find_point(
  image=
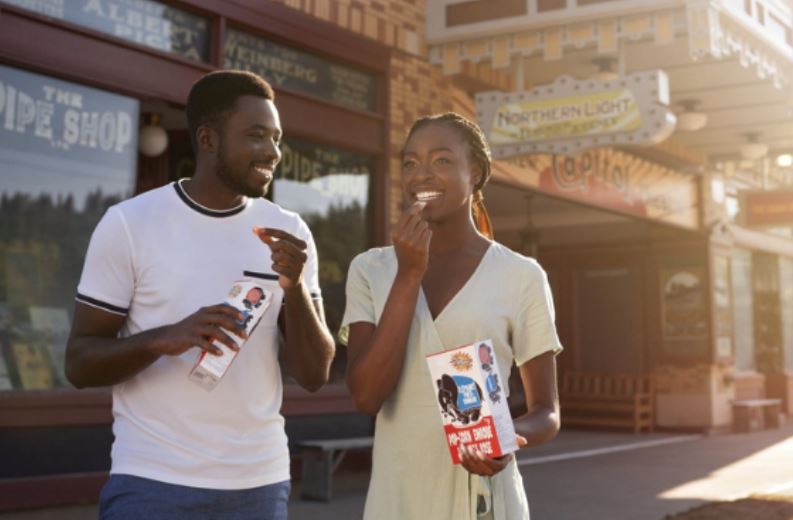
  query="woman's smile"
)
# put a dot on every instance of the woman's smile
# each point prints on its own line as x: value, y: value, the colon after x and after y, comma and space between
x: 428, y: 196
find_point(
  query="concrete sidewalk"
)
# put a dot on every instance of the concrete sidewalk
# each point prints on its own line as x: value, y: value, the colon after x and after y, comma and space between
x: 595, y: 475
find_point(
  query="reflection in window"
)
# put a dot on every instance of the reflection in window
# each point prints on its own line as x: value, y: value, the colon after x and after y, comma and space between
x: 144, y: 22
x: 67, y: 152
x: 743, y: 313
x: 329, y: 188
x: 786, y: 298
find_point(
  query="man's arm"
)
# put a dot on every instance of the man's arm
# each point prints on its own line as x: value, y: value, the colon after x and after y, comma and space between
x: 96, y: 356
x: 309, y: 347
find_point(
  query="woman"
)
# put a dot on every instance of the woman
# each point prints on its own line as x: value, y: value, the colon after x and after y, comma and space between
x: 444, y: 284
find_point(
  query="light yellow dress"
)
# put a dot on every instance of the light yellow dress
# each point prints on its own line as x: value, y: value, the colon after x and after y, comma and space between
x: 507, y: 300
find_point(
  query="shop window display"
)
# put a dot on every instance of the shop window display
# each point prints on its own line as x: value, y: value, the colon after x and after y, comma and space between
x: 743, y: 309
x: 67, y: 152
x: 330, y: 189
x: 786, y: 297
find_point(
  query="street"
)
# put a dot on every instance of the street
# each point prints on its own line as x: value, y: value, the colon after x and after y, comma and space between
x: 595, y: 476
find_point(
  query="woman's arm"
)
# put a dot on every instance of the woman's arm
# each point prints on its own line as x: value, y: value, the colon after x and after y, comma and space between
x: 376, y: 353
x: 541, y: 421
x: 538, y: 425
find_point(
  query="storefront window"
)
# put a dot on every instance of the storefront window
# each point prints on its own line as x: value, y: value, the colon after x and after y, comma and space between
x: 329, y: 188
x: 722, y: 307
x: 67, y: 152
x: 786, y: 295
x: 743, y: 309
x: 299, y: 71
x: 145, y: 22
x: 768, y: 346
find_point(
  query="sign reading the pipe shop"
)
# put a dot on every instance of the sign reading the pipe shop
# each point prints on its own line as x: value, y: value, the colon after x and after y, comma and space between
x: 51, y: 124
x: 571, y: 115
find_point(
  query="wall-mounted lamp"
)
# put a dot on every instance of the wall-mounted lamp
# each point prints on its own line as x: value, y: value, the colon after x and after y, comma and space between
x: 690, y: 120
x: 752, y: 149
x: 152, y: 138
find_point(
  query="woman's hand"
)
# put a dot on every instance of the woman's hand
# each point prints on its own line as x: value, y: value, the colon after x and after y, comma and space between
x: 477, y: 463
x: 411, y: 238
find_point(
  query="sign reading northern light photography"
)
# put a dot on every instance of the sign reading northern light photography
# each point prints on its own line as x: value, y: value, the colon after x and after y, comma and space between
x: 571, y: 115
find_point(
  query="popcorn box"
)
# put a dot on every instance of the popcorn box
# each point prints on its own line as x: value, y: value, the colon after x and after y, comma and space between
x: 471, y: 400
x: 251, y: 299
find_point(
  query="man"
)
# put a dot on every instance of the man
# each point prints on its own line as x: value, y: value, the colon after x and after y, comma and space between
x: 181, y: 451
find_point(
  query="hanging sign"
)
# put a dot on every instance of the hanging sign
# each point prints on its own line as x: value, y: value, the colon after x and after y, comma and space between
x: 768, y: 208
x: 571, y: 115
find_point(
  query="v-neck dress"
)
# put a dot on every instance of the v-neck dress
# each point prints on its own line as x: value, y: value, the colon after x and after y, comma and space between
x: 508, y: 300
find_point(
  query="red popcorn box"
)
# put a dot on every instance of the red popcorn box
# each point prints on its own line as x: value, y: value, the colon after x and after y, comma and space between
x: 471, y: 400
x: 251, y: 299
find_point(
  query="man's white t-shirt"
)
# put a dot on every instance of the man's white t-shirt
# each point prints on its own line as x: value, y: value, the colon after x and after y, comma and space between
x: 156, y: 259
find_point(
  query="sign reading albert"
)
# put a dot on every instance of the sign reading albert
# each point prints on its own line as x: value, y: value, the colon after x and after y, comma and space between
x: 571, y: 115
x: 146, y: 22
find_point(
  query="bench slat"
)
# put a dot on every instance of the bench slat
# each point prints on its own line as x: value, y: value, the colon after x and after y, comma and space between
x: 628, y: 398
x: 338, y: 444
x: 757, y: 402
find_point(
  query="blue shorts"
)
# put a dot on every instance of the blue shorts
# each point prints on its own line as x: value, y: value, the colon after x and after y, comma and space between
x: 126, y: 497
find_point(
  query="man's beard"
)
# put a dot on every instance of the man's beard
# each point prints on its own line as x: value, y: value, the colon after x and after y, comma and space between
x: 234, y: 182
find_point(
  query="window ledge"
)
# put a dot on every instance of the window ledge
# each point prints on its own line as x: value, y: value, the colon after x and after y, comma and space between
x: 64, y: 407
x: 69, y: 407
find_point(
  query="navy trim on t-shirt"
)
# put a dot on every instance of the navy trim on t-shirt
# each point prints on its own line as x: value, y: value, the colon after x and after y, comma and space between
x: 102, y: 305
x: 202, y: 209
x: 268, y: 276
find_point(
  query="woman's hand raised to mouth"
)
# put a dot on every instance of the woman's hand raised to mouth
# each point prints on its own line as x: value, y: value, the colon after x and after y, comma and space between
x: 411, y: 238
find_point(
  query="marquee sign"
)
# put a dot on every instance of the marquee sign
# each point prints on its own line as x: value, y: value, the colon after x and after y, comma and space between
x: 571, y: 115
x: 609, y: 179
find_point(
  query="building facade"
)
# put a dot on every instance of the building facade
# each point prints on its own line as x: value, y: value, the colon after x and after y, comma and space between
x: 667, y: 247
x: 663, y: 254
x: 91, y: 91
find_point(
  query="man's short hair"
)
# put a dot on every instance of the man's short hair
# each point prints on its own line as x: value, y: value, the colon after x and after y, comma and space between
x: 212, y: 96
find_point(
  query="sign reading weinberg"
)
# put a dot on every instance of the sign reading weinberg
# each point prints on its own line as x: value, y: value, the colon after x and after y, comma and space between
x: 571, y: 115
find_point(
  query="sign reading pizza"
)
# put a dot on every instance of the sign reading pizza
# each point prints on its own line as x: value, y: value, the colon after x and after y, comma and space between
x: 571, y: 115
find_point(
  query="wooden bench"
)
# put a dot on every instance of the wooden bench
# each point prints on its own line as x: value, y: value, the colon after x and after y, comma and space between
x: 750, y: 415
x: 608, y: 400
x: 320, y: 460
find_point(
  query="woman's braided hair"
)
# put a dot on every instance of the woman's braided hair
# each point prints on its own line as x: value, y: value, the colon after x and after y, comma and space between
x: 478, y: 149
